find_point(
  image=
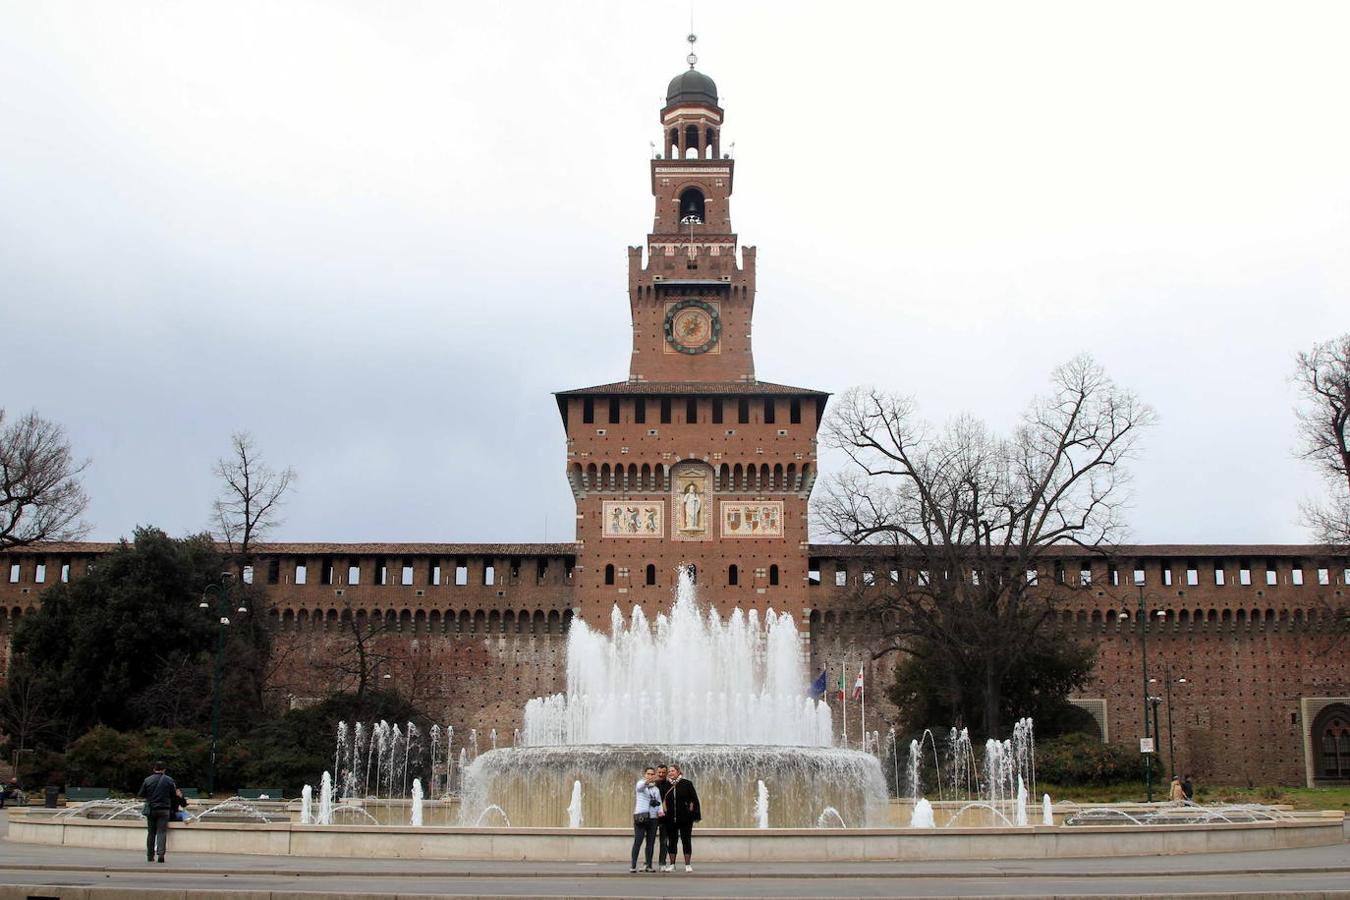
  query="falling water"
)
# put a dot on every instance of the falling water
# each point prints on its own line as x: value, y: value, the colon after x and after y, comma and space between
x: 306, y: 804
x: 473, y: 742
x: 741, y: 682
x: 1047, y: 811
x: 435, y: 755
x: 326, y: 799
x: 416, y: 813
x: 762, y: 806
x: 912, y: 772
x: 493, y: 737
x: 412, y: 753
x: 1021, y: 818
x: 922, y: 816
x: 574, y: 808
x: 394, y: 756
x: 361, y: 738
x: 340, y: 750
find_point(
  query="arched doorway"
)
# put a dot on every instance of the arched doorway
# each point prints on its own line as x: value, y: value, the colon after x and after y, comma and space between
x: 1331, y: 744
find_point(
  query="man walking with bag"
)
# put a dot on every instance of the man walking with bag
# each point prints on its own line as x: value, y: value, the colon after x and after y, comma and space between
x: 157, y: 791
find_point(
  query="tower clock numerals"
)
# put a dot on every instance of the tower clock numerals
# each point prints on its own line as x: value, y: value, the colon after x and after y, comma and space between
x: 692, y: 326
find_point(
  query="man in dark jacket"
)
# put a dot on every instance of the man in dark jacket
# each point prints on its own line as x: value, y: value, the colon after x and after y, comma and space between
x: 664, y: 834
x: 157, y: 791
x: 682, y: 811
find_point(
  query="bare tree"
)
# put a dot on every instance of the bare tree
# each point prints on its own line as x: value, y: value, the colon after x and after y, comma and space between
x: 250, y: 500
x: 40, y: 494
x: 360, y: 655
x: 1323, y: 377
x: 969, y: 516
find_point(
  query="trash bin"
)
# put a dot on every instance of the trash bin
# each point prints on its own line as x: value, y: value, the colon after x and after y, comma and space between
x: 50, y: 795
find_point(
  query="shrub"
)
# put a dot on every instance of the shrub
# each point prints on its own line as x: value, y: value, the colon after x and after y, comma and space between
x: 103, y: 757
x: 1077, y: 759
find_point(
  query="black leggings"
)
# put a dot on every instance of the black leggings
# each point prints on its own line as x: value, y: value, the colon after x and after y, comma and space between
x: 643, y: 831
x: 685, y: 832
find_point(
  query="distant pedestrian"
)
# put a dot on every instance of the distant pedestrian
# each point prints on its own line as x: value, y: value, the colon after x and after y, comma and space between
x: 682, y: 809
x: 646, y: 812
x: 1177, y: 794
x: 1189, y: 787
x: 157, y: 791
x: 9, y: 790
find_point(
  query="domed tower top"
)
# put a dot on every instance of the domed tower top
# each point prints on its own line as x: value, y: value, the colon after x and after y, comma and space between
x: 691, y: 86
x: 691, y: 116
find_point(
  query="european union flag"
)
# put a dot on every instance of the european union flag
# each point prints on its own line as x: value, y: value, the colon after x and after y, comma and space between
x: 818, y: 686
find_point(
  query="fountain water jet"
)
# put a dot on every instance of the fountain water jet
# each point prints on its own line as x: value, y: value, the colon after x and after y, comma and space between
x: 574, y: 817
x: 739, y: 713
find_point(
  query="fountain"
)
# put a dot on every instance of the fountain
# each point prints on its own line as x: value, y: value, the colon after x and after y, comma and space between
x: 325, y: 799
x: 1047, y: 811
x: 922, y: 817
x: 415, y: 814
x: 726, y: 698
x: 762, y: 806
x: 574, y: 817
x: 306, y: 805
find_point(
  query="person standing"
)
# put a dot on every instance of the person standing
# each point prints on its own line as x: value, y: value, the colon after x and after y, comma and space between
x: 663, y: 834
x: 1177, y: 794
x: 646, y: 812
x: 682, y: 810
x: 1188, y: 787
x: 157, y: 791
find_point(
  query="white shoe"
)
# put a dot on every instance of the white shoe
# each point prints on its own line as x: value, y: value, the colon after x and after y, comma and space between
x: 668, y: 868
x: 688, y: 868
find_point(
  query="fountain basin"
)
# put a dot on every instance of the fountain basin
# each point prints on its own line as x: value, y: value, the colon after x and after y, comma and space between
x: 611, y: 845
x: 531, y: 786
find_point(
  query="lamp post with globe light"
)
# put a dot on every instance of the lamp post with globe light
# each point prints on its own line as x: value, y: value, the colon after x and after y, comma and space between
x: 1168, y: 681
x: 219, y: 608
x: 1143, y: 662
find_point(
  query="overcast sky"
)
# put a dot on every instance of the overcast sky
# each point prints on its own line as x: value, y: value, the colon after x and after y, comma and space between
x: 378, y: 235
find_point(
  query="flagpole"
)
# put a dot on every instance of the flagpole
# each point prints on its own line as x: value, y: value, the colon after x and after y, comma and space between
x: 844, y: 694
x: 862, y: 697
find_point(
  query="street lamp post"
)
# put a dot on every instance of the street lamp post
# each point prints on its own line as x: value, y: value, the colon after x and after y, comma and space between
x: 1143, y: 662
x: 221, y: 612
x: 1168, y: 681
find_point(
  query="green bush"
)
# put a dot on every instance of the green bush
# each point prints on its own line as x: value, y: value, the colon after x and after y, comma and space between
x: 1077, y: 759
x: 103, y: 757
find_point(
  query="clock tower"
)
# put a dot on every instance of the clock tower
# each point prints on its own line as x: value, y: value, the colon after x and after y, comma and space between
x: 691, y: 461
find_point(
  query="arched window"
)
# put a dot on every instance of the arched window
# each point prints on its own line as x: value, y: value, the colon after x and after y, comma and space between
x: 691, y: 141
x: 651, y: 573
x: 733, y: 575
x: 691, y: 204
x: 773, y: 574
x: 1333, y: 732
x: 609, y: 573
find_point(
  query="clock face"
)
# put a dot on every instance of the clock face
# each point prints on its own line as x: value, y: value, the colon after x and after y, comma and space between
x: 692, y: 326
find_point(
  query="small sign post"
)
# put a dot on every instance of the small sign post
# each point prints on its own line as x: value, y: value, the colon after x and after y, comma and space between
x: 1146, y: 745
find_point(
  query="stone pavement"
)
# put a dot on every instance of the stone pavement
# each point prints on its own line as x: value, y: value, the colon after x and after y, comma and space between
x: 81, y: 874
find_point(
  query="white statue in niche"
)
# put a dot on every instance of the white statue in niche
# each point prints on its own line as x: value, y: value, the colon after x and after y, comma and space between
x: 693, y: 507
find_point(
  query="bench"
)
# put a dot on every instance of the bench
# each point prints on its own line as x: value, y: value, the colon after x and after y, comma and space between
x: 272, y: 793
x: 82, y: 794
x: 191, y: 793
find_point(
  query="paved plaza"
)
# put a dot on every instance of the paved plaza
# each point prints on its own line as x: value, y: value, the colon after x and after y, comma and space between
x: 32, y: 871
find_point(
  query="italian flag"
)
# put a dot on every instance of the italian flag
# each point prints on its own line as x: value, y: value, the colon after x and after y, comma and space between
x: 858, y: 685
x: 841, y: 685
